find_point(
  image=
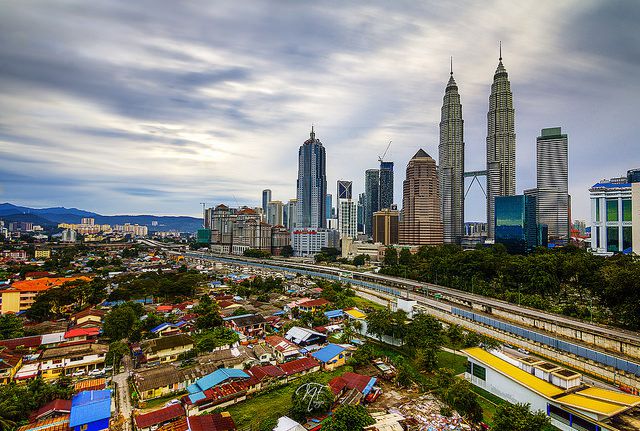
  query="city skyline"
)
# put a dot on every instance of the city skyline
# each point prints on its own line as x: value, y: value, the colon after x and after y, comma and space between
x: 188, y: 106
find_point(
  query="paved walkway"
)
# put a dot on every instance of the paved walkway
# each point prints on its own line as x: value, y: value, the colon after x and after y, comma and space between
x: 124, y: 400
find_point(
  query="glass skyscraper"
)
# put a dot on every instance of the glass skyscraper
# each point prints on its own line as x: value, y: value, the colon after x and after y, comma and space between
x: 385, y: 195
x: 451, y: 164
x: 371, y: 198
x: 515, y: 223
x: 312, y: 184
x: 501, y: 143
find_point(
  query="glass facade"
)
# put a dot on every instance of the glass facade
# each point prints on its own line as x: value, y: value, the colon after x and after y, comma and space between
x: 515, y: 225
x: 612, y: 239
x: 597, y: 209
x: 626, y: 210
x: 627, y: 239
x: 612, y: 209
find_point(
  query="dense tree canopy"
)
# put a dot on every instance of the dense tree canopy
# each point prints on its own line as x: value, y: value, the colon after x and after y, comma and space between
x: 120, y: 322
x: 518, y: 417
x: 10, y: 326
x: 567, y: 280
x: 72, y: 296
x: 349, y: 418
x: 309, y: 398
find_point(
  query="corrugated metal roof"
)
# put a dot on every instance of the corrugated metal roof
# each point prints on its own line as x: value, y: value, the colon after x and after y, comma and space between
x: 610, y: 396
x: 328, y: 352
x: 90, y: 406
x: 591, y: 405
x: 513, y: 372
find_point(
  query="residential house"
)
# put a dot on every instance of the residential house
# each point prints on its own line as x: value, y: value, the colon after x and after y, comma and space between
x: 9, y: 366
x: 223, y: 387
x: 283, y: 350
x: 90, y: 385
x: 166, y: 349
x: 263, y: 354
x: 166, y: 329
x: 267, y: 374
x: 211, y: 422
x: 334, y: 316
x: 88, y: 317
x: 66, y: 360
x: 81, y: 334
x: 299, y: 367
x: 90, y: 411
x: 305, y: 336
x: 247, y: 324
x: 332, y: 356
x: 59, y: 423
x: 52, y: 409
x: 312, y: 305
x: 157, y: 418
x: 352, y: 388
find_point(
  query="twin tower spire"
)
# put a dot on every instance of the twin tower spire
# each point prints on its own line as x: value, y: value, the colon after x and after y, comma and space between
x: 500, y: 152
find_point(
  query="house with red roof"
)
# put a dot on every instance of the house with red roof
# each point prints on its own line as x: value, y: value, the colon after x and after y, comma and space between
x: 81, y: 334
x: 211, y: 422
x: 283, y: 350
x: 52, y: 409
x: 158, y: 418
x: 299, y: 367
x: 312, y: 305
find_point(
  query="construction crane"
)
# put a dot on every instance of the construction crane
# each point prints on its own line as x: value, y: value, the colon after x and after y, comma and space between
x: 381, y: 158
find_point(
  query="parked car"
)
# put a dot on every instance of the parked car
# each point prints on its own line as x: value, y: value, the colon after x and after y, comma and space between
x: 78, y: 373
x: 97, y: 372
x: 172, y: 402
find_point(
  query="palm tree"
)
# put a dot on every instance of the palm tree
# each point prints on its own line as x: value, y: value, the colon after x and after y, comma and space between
x: 7, y: 410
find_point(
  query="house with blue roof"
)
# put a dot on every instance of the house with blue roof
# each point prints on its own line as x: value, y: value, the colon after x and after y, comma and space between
x: 332, y: 356
x: 90, y: 411
x: 334, y: 315
x: 167, y: 328
x: 219, y: 376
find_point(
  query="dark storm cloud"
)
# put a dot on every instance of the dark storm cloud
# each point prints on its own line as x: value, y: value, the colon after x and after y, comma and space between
x: 117, y: 105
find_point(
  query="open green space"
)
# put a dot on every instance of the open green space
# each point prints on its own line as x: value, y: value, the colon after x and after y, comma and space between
x: 275, y: 402
x: 363, y: 304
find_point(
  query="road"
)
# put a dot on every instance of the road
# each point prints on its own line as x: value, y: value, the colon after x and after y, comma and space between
x: 122, y: 392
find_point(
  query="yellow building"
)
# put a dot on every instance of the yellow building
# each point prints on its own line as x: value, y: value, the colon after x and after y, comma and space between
x: 9, y: 366
x: 43, y: 254
x: 332, y: 356
x: 21, y: 294
x: 166, y: 349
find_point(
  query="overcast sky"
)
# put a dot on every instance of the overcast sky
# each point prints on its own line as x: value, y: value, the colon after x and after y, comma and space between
x: 156, y: 106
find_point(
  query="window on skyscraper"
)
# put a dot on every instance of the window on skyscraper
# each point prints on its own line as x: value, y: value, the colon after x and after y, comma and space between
x: 612, y: 209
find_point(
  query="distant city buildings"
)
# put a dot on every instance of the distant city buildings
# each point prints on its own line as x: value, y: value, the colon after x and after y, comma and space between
x: 291, y: 219
x: 275, y: 213
x: 307, y: 242
x: 347, y: 213
x: 371, y: 197
x: 501, y: 143
x: 312, y: 184
x: 385, y: 195
x: 266, y: 198
x: 451, y: 164
x: 615, y: 215
x: 421, y: 222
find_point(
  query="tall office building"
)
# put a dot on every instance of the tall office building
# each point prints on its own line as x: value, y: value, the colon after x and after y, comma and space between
x: 552, y: 202
x: 266, y: 198
x: 345, y: 189
x: 451, y: 163
x: 515, y: 225
x: 361, y: 206
x: 501, y: 143
x: 291, y: 221
x: 421, y: 222
x: 275, y: 211
x: 371, y: 197
x: 385, y: 195
x: 312, y: 184
x: 385, y: 226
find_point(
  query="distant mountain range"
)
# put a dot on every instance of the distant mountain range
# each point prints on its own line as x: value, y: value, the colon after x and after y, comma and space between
x: 50, y: 217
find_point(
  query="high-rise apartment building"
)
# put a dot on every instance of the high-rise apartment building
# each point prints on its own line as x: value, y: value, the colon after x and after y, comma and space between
x: 451, y: 163
x: 312, y: 183
x: 347, y: 209
x: 501, y: 143
x: 361, y: 206
x: 275, y: 211
x: 421, y: 222
x: 371, y: 197
x: 385, y: 195
x: 329, y: 206
x: 266, y: 198
x: 552, y: 200
x: 385, y: 226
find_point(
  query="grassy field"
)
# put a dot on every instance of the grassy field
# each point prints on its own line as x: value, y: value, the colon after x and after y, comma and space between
x: 252, y: 412
x: 159, y: 402
x: 363, y: 303
x: 450, y: 360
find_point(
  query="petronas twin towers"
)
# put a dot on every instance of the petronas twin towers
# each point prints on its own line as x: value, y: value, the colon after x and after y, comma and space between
x: 501, y: 153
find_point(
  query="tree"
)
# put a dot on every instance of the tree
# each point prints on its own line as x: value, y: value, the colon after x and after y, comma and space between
x: 309, y: 398
x: 208, y: 340
x: 10, y: 327
x: 360, y: 259
x: 390, y: 257
x: 461, y: 397
x: 455, y: 335
x: 349, y: 418
x: 426, y: 359
x: 119, y: 322
x: 9, y: 410
x: 518, y: 417
x: 117, y: 350
x: 208, y: 314
x: 405, y: 258
x: 259, y: 254
x: 424, y: 332
x: 287, y: 251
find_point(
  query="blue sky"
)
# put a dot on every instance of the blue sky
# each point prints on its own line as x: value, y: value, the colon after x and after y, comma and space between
x: 156, y: 106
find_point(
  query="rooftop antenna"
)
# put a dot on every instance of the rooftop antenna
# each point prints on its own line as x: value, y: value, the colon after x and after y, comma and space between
x: 381, y: 158
x: 452, y: 65
x: 500, y: 51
